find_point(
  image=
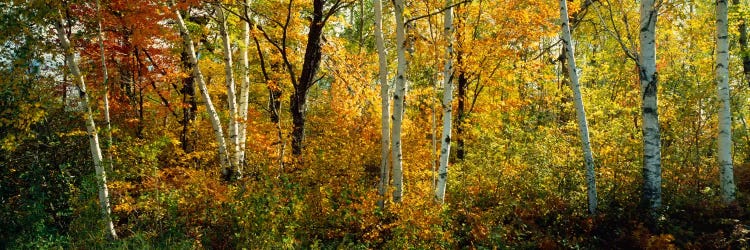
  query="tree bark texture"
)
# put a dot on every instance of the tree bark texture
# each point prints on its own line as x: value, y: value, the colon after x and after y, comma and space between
x: 650, y: 114
x: 244, y: 88
x: 445, y: 139
x: 212, y: 114
x: 588, y: 157
x: 384, y: 103
x: 298, y: 99
x: 234, y: 143
x: 398, y: 102
x: 96, y: 152
x: 726, y: 168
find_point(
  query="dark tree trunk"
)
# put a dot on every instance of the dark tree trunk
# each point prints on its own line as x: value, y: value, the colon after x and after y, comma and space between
x: 140, y: 127
x: 298, y: 106
x: 745, y: 54
x: 274, y: 92
x: 189, y: 104
x: 463, y: 85
x: 274, y: 103
x: 310, y: 67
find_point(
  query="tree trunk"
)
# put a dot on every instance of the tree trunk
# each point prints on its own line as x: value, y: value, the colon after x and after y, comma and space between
x: 588, y: 157
x: 463, y: 85
x: 445, y: 140
x: 93, y: 136
x: 274, y: 104
x: 398, y: 101
x: 274, y: 92
x: 105, y: 84
x: 298, y: 108
x: 310, y: 67
x: 234, y: 143
x: 190, y: 105
x: 728, y: 189
x: 384, y: 103
x: 650, y: 114
x: 744, y: 53
x: 244, y: 88
x: 212, y: 114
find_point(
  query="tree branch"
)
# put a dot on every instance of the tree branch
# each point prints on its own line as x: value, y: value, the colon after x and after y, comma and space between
x: 436, y: 12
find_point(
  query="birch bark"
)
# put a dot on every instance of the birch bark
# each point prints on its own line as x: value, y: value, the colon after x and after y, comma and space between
x: 244, y: 88
x: 726, y: 169
x: 398, y: 102
x: 445, y: 140
x: 588, y: 157
x: 105, y: 84
x: 234, y: 143
x: 198, y: 77
x: 384, y: 103
x: 650, y: 114
x: 96, y: 152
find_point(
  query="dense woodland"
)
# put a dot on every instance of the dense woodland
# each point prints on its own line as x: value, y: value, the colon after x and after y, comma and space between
x: 359, y: 124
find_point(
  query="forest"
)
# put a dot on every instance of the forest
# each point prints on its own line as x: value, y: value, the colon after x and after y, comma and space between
x: 371, y: 124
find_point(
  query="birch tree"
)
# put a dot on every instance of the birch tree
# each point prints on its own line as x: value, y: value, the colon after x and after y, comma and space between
x: 96, y: 152
x: 726, y: 170
x: 445, y: 140
x: 398, y: 101
x: 384, y: 103
x: 198, y: 77
x: 588, y: 157
x: 650, y: 113
x: 245, y: 87
x: 105, y: 83
x: 234, y: 142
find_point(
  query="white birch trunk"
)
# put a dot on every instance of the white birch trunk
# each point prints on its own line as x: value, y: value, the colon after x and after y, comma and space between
x: 649, y: 80
x: 198, y: 77
x: 231, y: 93
x: 728, y: 188
x: 105, y: 84
x: 445, y: 139
x: 398, y: 102
x: 583, y: 126
x: 244, y: 89
x: 96, y: 152
x: 384, y: 103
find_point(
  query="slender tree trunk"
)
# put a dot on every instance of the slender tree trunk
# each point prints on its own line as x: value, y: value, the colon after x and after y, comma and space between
x: 234, y: 142
x: 445, y: 140
x: 384, y: 103
x: 274, y: 92
x: 96, y: 151
x: 649, y: 79
x: 105, y: 84
x: 398, y: 101
x: 298, y: 108
x: 274, y: 104
x: 728, y: 188
x: 190, y: 105
x: 744, y: 53
x: 463, y: 85
x: 141, y: 110
x: 212, y: 114
x: 588, y: 157
x: 307, y: 77
x: 244, y: 88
